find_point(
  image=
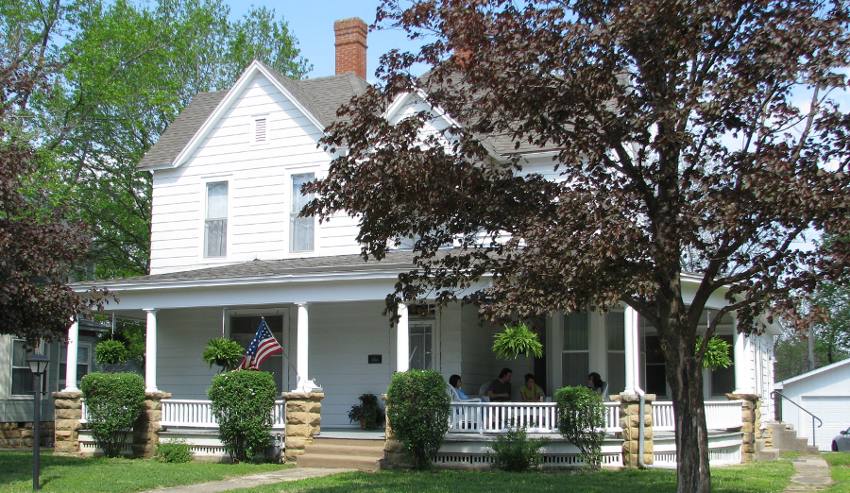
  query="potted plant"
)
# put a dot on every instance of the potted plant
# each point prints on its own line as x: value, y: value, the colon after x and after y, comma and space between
x: 368, y: 413
x: 224, y: 352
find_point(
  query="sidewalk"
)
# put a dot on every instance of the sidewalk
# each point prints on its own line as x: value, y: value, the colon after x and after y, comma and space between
x: 290, y: 474
x: 811, y: 473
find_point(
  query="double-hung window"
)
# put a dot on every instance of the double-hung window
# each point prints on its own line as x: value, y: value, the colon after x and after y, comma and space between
x: 22, y: 378
x: 575, y: 356
x: 83, y: 363
x: 616, y: 343
x: 301, y: 229
x: 215, y: 223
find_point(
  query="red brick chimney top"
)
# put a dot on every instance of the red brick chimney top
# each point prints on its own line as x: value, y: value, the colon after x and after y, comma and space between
x: 351, y: 46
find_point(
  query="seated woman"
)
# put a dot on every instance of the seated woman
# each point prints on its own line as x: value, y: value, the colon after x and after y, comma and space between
x: 596, y: 384
x: 456, y: 393
x: 531, y: 392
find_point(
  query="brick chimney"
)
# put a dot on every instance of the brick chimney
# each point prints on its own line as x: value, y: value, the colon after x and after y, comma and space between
x: 351, y: 46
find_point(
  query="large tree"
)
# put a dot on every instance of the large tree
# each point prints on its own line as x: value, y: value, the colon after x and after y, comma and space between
x: 687, y: 136
x: 119, y: 73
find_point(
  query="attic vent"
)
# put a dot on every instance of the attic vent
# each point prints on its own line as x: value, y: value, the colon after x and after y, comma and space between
x: 260, y: 130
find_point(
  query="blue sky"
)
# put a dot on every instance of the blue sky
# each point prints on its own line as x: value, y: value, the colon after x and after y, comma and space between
x: 312, y: 23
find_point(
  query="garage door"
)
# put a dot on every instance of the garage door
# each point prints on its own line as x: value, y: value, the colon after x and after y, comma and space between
x: 835, y: 413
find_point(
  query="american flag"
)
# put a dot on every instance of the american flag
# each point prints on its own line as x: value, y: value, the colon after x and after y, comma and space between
x: 262, y: 346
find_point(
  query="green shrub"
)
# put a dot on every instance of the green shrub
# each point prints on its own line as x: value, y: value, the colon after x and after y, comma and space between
x: 109, y: 352
x: 176, y: 452
x: 716, y: 354
x: 516, y: 340
x: 581, y: 421
x: 514, y: 451
x: 114, y: 402
x: 223, y: 352
x: 242, y: 403
x: 418, y: 410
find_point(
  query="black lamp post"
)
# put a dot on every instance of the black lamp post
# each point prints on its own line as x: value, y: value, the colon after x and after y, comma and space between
x: 38, y: 365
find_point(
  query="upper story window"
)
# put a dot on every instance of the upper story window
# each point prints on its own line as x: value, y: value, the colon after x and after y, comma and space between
x: 259, y: 129
x: 301, y: 229
x: 22, y: 378
x: 215, y: 223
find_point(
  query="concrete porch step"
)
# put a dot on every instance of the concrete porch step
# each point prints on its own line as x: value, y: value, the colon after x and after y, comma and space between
x: 350, y: 453
x: 334, y: 461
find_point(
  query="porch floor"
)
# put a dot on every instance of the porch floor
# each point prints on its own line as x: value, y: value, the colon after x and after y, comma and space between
x: 351, y: 433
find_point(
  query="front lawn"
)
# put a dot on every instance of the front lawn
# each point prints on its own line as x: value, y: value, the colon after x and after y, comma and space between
x: 839, y: 468
x: 72, y: 474
x: 764, y: 477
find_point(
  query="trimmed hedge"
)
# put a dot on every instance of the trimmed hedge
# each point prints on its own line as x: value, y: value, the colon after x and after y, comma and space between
x: 581, y: 420
x: 418, y: 410
x: 242, y: 403
x: 114, y: 402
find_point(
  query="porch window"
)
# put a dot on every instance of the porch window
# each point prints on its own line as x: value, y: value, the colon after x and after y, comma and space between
x: 614, y: 328
x: 243, y: 329
x: 301, y: 229
x: 575, y: 356
x: 83, y: 362
x: 421, y: 337
x: 22, y: 379
x: 215, y: 224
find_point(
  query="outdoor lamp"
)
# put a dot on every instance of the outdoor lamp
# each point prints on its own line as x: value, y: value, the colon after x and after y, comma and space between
x: 38, y: 365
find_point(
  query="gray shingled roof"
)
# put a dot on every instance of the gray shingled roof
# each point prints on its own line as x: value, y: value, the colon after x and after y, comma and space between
x: 265, y: 269
x: 182, y: 129
x: 321, y: 97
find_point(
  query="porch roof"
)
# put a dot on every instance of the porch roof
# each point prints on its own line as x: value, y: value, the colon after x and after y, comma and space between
x: 264, y: 270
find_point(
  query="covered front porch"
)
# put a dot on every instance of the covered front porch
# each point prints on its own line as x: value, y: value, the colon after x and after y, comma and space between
x: 339, y: 342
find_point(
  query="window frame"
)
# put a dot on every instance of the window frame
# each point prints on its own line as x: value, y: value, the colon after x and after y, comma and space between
x: 585, y: 351
x: 205, y: 183
x: 44, y: 378
x: 60, y: 378
x: 293, y: 214
x: 430, y: 323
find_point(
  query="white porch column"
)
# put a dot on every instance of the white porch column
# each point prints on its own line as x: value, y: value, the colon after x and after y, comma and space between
x: 150, y: 350
x: 743, y: 368
x: 303, y: 346
x: 402, y: 351
x: 71, y: 358
x: 632, y: 350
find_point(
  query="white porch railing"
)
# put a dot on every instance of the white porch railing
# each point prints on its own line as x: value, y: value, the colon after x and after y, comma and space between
x: 535, y: 417
x: 719, y: 415
x: 197, y: 413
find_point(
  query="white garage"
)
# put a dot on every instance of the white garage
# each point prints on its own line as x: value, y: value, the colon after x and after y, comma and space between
x: 825, y: 393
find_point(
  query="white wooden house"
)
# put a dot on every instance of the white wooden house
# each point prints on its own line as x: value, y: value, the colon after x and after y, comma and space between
x: 227, y: 247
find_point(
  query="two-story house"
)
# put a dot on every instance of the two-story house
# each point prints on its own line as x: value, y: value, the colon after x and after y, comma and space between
x: 227, y: 247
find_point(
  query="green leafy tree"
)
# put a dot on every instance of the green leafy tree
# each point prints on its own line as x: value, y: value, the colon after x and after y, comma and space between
x: 678, y: 145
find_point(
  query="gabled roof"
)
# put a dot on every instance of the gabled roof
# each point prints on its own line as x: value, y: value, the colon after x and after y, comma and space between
x: 817, y: 371
x: 319, y: 98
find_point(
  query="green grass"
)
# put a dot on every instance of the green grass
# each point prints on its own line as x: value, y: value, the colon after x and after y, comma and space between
x: 757, y: 478
x: 72, y: 474
x: 839, y: 468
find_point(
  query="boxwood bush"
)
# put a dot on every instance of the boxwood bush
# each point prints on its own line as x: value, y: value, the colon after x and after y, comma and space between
x: 114, y: 402
x: 418, y: 410
x: 581, y: 421
x: 176, y: 452
x: 514, y: 451
x: 242, y: 403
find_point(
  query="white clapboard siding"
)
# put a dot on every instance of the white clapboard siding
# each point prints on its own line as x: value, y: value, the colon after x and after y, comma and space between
x: 259, y: 189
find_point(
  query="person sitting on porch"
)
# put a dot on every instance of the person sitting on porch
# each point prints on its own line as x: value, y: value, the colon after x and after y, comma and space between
x: 531, y: 392
x: 596, y: 384
x: 457, y: 394
x: 500, y: 388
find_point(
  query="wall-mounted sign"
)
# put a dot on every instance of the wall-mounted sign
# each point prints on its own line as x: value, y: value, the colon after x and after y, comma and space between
x: 375, y: 359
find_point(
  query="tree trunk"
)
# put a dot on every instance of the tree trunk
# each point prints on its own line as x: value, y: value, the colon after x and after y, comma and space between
x: 684, y: 375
